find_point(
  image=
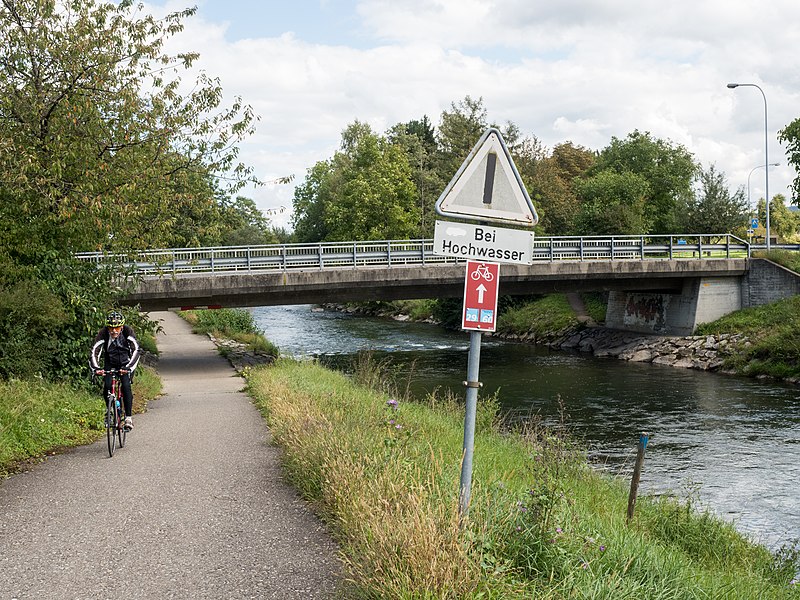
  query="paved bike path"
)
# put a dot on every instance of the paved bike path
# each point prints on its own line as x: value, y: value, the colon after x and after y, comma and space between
x: 194, y: 505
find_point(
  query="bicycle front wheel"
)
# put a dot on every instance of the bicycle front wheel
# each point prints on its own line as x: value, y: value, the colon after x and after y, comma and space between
x: 111, y: 425
x: 121, y: 430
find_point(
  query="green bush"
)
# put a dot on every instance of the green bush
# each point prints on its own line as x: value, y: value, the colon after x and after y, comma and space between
x: 227, y: 321
x: 233, y: 323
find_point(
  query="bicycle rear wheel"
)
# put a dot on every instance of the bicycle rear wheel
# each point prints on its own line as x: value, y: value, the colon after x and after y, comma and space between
x: 111, y: 425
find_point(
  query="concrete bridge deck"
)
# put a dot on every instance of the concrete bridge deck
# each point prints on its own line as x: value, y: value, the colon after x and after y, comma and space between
x: 343, y: 284
x: 661, y: 284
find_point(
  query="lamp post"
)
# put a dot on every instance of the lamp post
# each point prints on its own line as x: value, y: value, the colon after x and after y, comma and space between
x: 748, y: 180
x: 766, y: 149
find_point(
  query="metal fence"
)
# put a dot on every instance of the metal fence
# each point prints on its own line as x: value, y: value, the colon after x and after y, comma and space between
x: 391, y: 253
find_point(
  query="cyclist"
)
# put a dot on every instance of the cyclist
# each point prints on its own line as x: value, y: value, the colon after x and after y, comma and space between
x: 117, y: 346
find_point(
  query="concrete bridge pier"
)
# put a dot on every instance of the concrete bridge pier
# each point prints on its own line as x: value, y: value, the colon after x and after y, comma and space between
x: 702, y: 300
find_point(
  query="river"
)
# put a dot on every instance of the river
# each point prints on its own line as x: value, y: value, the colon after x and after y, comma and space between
x: 732, y: 442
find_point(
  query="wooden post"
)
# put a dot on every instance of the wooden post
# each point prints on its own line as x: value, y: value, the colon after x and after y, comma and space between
x: 637, y: 472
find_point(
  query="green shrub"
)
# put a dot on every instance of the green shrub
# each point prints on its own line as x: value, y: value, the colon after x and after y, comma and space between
x: 227, y: 321
x: 233, y: 323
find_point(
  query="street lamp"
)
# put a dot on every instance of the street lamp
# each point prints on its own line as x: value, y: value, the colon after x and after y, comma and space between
x: 766, y: 148
x: 748, y: 181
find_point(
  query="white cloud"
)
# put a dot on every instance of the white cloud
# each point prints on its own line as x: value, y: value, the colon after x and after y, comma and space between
x: 570, y: 70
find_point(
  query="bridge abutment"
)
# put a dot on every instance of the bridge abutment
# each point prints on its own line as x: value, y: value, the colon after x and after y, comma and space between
x: 768, y: 282
x: 702, y: 300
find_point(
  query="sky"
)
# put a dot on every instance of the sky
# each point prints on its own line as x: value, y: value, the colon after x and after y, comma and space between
x: 568, y: 70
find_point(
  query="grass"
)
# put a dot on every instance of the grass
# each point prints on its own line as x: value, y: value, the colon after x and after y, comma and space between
x: 773, y: 331
x: 596, y: 306
x: 543, y: 316
x: 236, y: 324
x: 785, y: 258
x: 383, y: 472
x: 38, y: 418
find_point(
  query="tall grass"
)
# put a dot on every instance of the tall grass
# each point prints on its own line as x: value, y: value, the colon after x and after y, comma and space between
x: 38, y: 418
x: 384, y: 473
x: 542, y: 316
x: 786, y: 258
x: 233, y: 323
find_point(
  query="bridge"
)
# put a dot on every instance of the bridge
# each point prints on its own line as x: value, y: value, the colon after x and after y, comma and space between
x: 663, y: 284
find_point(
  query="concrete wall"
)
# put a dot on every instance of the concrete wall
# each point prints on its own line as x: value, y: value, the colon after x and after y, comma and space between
x: 718, y: 296
x: 701, y: 300
x: 767, y: 282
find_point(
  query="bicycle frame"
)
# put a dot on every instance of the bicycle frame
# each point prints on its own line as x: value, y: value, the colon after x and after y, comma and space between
x: 115, y: 426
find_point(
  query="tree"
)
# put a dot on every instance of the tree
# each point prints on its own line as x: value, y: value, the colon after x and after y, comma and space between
x: 612, y: 203
x: 783, y: 223
x: 244, y: 224
x: 311, y: 199
x: 549, y: 180
x: 713, y: 209
x: 418, y: 137
x: 364, y: 192
x: 99, y: 149
x: 668, y: 168
x: 790, y: 135
x: 459, y: 130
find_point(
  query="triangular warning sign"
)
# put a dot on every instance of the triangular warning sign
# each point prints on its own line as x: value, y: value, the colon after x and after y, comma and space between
x: 487, y: 187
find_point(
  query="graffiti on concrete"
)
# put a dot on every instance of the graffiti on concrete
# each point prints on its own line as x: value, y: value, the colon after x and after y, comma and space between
x: 646, y: 310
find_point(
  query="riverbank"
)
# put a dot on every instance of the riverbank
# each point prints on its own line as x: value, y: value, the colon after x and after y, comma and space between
x: 396, y: 520
x: 714, y: 352
x: 542, y: 524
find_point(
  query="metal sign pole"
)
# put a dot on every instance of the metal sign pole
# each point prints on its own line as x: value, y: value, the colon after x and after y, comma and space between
x: 472, y: 384
x: 488, y: 168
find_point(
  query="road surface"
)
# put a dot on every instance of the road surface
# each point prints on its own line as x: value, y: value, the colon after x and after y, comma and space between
x: 194, y: 506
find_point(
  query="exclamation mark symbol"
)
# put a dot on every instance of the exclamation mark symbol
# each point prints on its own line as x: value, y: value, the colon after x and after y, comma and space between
x: 491, y: 164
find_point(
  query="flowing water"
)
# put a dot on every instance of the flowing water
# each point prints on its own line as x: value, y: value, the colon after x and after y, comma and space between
x: 732, y: 442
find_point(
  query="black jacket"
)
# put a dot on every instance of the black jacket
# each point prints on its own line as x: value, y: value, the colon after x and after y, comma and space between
x: 122, y: 353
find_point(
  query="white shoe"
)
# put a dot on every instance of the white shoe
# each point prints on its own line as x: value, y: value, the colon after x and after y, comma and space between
x: 128, y: 423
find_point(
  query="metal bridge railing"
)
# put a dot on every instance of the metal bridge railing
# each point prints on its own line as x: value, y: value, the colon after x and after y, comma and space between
x: 392, y: 253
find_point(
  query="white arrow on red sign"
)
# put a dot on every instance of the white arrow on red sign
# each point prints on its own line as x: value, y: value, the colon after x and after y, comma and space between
x: 481, y: 292
x: 480, y: 296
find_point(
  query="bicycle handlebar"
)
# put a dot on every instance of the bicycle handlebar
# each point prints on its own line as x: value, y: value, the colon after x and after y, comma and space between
x: 114, y: 371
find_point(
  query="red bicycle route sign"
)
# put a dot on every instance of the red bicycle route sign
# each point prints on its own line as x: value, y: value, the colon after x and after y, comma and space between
x: 480, y: 296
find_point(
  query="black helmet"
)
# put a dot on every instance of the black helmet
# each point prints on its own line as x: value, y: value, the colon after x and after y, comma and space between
x: 115, y: 319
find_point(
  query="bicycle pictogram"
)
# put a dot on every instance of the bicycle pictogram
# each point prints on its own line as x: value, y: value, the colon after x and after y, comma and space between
x: 481, y: 271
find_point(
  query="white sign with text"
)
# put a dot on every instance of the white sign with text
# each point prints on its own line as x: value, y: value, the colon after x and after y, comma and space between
x: 481, y: 242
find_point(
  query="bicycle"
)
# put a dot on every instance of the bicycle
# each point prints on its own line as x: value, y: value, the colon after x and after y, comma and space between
x: 481, y: 271
x: 115, y: 415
